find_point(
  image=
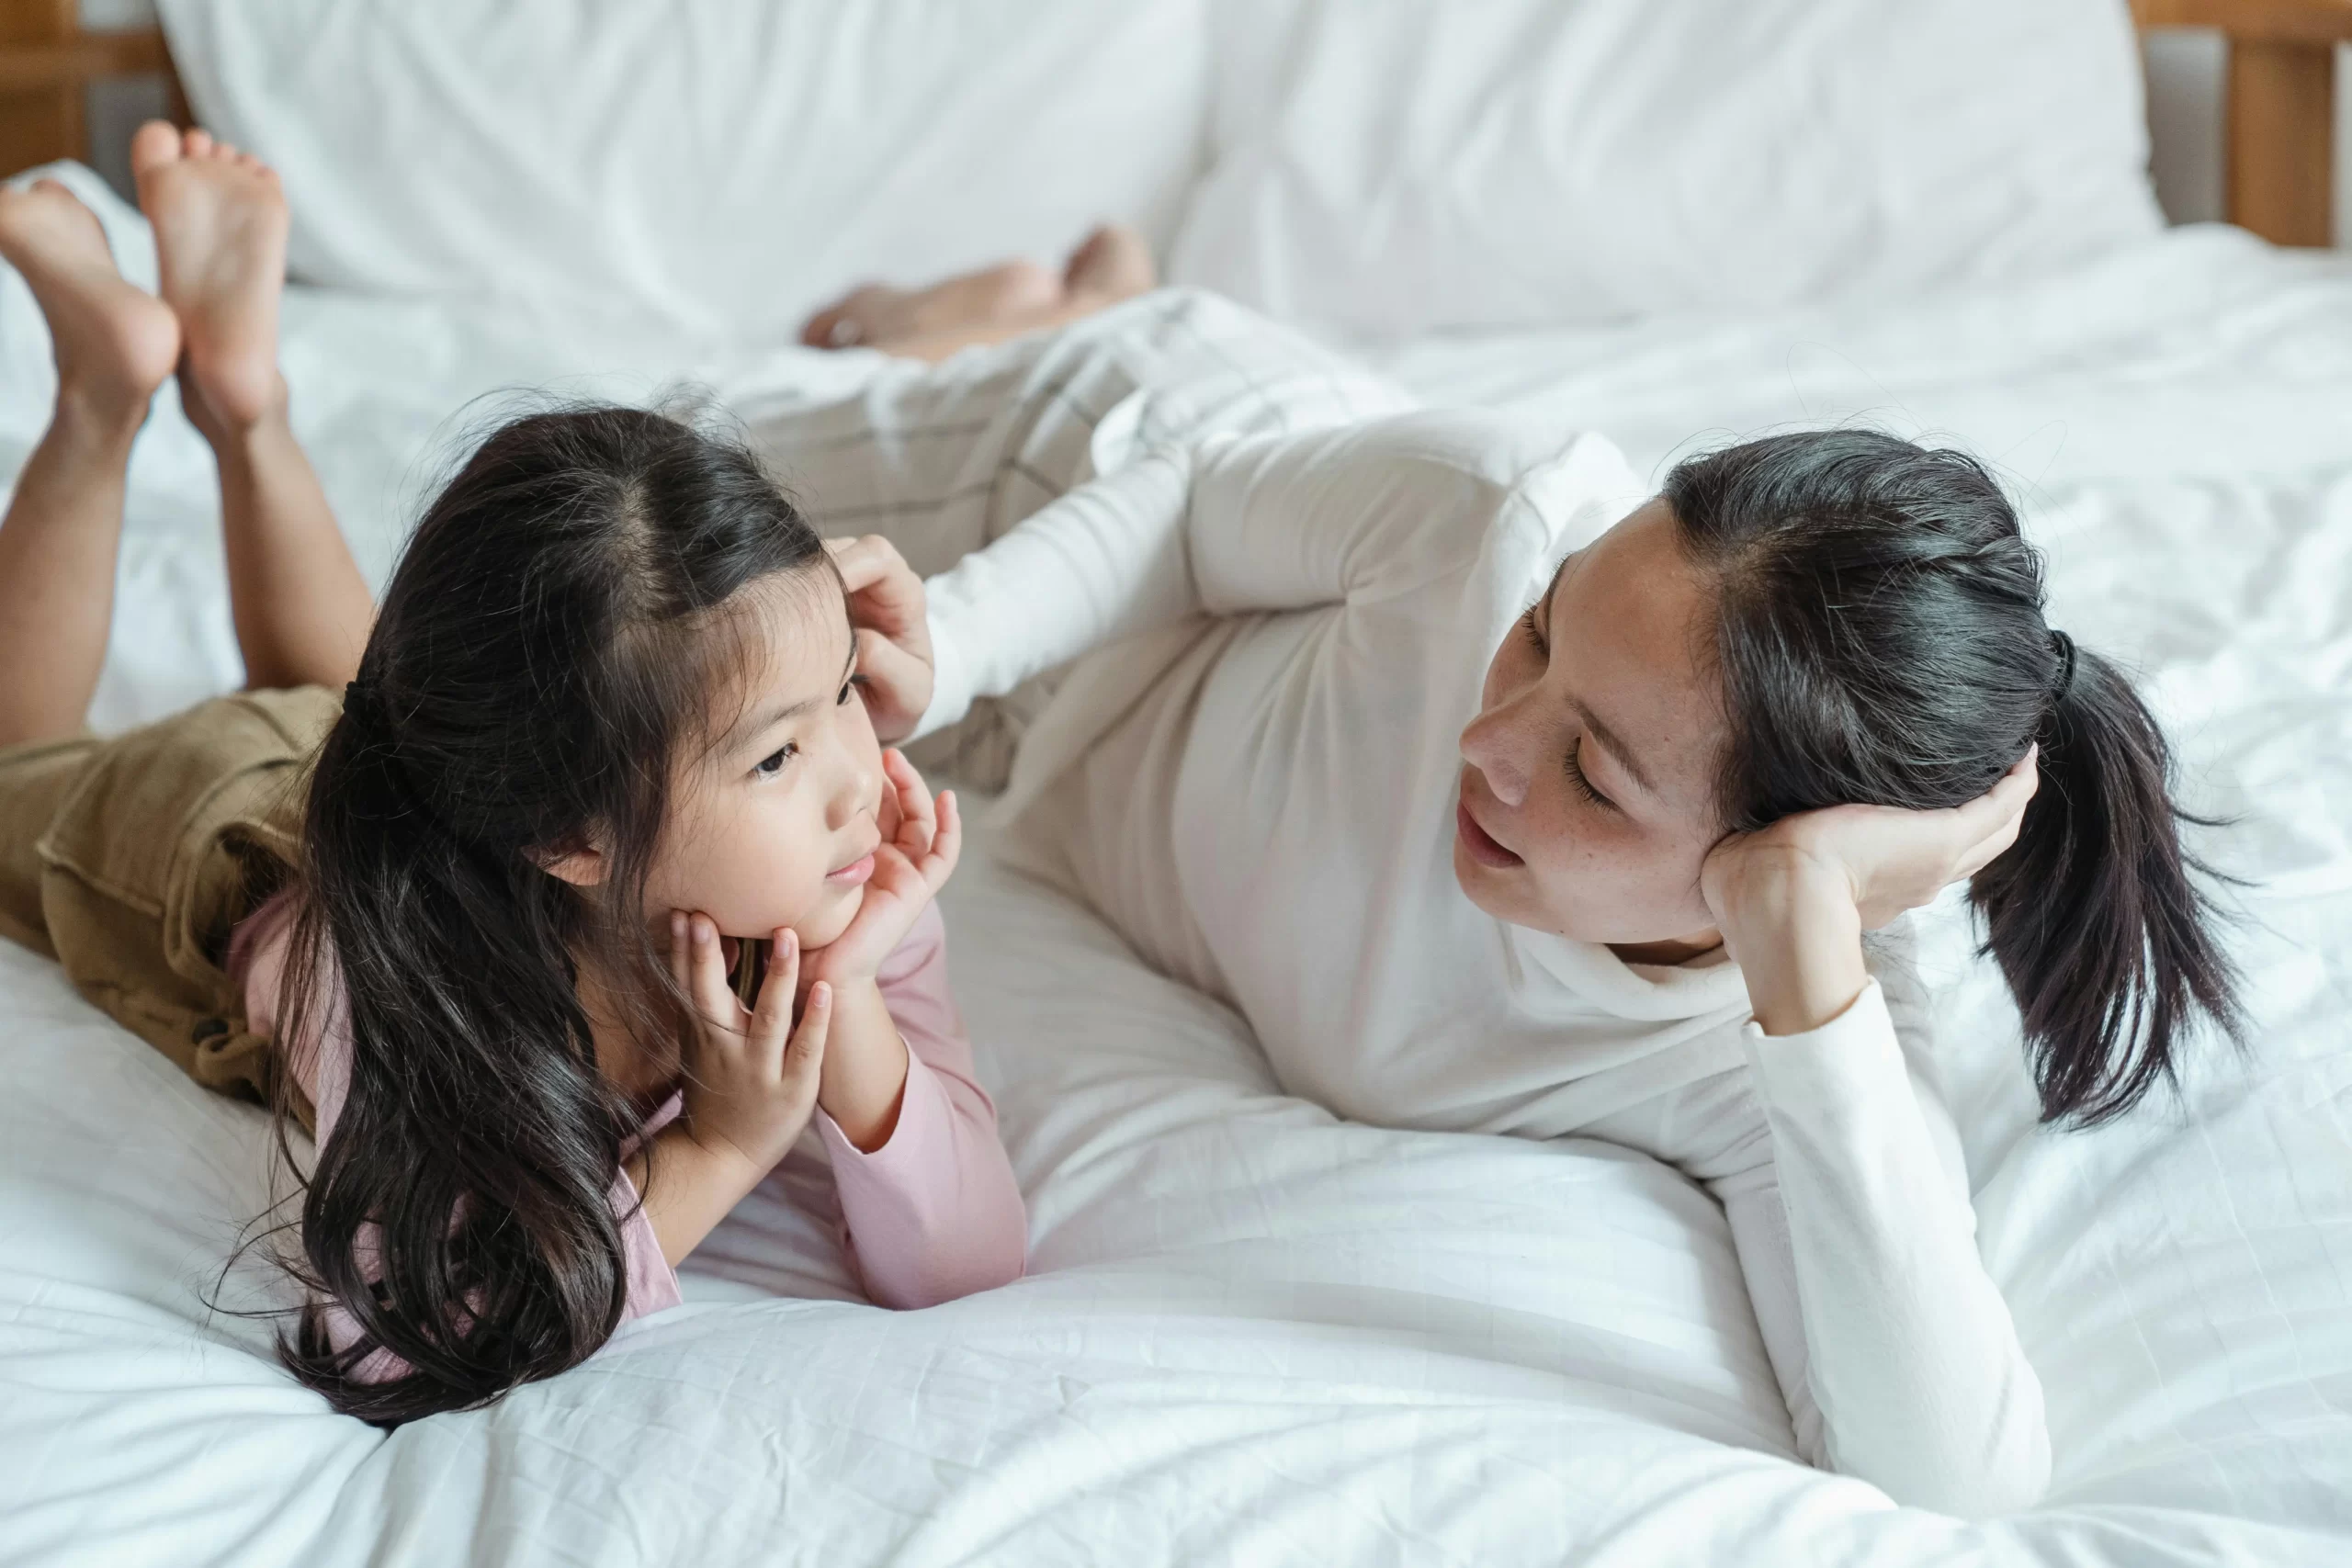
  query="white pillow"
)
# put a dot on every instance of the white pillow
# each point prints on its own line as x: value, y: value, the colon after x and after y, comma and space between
x: 1389, y: 167
x: 723, y: 164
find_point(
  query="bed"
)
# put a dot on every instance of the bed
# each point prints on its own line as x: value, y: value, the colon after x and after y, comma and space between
x: 1252, y: 1332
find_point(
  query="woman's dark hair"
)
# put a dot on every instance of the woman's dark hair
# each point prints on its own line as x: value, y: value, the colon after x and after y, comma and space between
x: 553, y: 637
x: 1880, y: 633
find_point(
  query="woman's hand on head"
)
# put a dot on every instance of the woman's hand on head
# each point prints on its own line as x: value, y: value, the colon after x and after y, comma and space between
x: 1792, y: 900
x: 1887, y: 860
x: 887, y: 609
x: 751, y: 1074
x: 924, y: 839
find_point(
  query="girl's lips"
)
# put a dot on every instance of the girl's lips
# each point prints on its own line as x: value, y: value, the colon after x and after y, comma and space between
x: 1482, y: 847
x: 852, y: 874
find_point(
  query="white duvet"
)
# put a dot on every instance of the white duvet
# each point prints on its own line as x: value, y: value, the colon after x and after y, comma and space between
x: 1253, y: 1332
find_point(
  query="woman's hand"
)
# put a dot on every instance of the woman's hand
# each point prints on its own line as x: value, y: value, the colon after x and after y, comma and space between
x: 750, y: 1079
x: 886, y: 612
x: 1792, y: 900
x: 923, y: 841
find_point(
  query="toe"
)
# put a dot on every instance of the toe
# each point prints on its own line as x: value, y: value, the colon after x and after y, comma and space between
x: 157, y: 141
x: 198, y: 144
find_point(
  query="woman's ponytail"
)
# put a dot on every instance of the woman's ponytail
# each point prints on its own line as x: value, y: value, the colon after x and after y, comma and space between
x: 1881, y: 636
x: 2104, y: 935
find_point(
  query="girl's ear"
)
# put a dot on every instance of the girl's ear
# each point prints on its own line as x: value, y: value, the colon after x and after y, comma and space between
x: 582, y: 865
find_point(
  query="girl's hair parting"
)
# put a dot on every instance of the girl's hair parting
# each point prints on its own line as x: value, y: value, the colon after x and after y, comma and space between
x: 1881, y: 640
x: 549, y: 647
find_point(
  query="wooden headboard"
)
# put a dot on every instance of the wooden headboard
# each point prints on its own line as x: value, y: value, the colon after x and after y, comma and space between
x: 2278, y: 170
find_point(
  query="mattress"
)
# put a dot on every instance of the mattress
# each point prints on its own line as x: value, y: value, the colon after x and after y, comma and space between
x: 1254, y: 1332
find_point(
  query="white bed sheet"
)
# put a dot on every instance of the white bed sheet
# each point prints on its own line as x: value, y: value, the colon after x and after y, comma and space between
x: 1254, y: 1334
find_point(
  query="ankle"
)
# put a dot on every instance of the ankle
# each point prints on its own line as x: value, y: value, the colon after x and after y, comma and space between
x: 99, y: 411
x: 235, y: 419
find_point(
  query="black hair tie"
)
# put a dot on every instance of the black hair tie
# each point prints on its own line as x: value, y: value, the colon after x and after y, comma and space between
x: 2064, y: 646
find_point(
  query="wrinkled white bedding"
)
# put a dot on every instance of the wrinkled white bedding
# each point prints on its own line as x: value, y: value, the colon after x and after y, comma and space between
x: 1253, y: 1332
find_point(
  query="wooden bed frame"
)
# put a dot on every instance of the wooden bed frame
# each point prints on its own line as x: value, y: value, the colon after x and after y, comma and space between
x: 2279, y: 170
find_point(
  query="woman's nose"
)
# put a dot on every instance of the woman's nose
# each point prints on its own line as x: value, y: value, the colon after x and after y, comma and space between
x: 1492, y: 744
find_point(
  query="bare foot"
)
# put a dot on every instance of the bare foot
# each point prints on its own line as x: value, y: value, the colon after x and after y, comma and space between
x: 1110, y: 265
x: 114, y: 343
x: 220, y: 222
x: 877, y: 317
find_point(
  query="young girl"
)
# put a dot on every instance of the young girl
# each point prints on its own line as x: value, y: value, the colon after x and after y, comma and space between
x: 1498, y: 799
x: 464, y: 899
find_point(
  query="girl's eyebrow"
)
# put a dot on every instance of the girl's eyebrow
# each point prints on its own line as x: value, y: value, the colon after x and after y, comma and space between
x: 745, y: 734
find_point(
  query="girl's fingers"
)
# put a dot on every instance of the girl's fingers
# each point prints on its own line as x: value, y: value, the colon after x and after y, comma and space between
x: 772, y: 1018
x: 713, y: 998
x: 680, y: 954
x: 918, y: 821
x: 948, y: 845
x: 806, y: 1055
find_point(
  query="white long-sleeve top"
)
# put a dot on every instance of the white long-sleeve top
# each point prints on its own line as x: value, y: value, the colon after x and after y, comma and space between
x: 1255, y: 781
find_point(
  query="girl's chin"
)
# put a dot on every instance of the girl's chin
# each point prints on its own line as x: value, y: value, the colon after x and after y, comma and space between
x: 831, y: 917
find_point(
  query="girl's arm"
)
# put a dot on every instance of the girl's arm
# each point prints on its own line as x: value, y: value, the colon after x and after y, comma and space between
x: 929, y: 1206
x: 751, y: 1087
x: 932, y: 1212
x: 1909, y: 1374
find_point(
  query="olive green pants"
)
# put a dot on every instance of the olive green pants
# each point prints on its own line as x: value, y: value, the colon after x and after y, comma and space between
x: 130, y: 860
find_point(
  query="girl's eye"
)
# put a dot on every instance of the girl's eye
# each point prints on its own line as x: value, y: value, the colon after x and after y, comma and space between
x: 1583, y: 782
x: 772, y: 764
x: 854, y: 684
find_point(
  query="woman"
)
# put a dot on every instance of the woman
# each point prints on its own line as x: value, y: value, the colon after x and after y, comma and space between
x: 1499, y: 803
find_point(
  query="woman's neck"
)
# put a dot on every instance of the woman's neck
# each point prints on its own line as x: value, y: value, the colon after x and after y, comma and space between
x: 1668, y: 953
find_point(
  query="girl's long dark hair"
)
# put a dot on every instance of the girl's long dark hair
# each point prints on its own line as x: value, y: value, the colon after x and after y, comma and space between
x: 550, y: 640
x: 1881, y: 640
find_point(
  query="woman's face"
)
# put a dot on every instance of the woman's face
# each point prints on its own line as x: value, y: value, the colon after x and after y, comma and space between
x: 1587, y: 801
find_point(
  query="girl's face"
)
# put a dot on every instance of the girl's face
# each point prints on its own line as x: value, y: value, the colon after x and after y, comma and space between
x: 773, y: 823
x: 1586, y: 802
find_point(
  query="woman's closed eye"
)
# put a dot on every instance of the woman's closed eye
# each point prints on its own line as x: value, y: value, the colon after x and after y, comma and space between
x: 1583, y: 781
x: 772, y: 764
x: 854, y: 684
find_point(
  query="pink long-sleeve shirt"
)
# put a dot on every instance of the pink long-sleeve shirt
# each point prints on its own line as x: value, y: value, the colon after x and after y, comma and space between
x: 932, y: 1214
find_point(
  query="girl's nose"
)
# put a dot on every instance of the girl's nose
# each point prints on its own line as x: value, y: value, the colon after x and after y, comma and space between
x: 859, y: 787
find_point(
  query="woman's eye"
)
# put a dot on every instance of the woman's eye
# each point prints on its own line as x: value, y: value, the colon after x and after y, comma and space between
x: 772, y: 764
x: 1583, y: 781
x: 1534, y: 626
x: 854, y: 684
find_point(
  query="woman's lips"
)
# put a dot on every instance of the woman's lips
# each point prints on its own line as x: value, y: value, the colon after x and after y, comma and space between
x: 1481, y: 845
x: 855, y: 873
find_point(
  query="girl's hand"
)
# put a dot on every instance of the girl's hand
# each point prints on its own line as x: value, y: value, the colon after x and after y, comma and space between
x: 751, y: 1080
x: 886, y: 612
x: 924, y: 841
x: 1792, y: 900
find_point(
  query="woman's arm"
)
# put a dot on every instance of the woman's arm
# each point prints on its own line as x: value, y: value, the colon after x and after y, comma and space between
x: 1909, y: 1352
x: 1895, y: 1351
x: 1239, y: 525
